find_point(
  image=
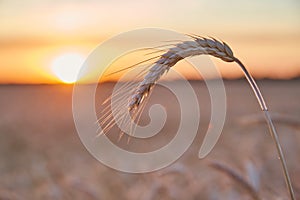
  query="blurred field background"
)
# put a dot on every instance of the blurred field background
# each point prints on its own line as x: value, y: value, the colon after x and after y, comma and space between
x: 41, y: 156
x: 42, y: 46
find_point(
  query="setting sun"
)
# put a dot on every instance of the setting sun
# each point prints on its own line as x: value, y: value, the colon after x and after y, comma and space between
x: 66, y: 67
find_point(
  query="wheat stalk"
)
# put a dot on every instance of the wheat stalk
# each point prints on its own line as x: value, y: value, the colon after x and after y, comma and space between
x: 203, y: 46
x: 238, y: 178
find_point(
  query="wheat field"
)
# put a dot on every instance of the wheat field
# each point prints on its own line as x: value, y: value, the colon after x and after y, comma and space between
x: 41, y: 156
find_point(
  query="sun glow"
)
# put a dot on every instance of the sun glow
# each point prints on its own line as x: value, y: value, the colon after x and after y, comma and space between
x: 66, y: 66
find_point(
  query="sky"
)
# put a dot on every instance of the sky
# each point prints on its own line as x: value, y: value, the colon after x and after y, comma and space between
x: 38, y: 38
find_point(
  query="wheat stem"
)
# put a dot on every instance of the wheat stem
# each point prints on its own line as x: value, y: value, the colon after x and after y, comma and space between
x: 280, y: 154
x: 237, y: 177
x: 272, y: 129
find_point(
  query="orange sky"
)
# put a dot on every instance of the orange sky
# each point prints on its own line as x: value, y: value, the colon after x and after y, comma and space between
x: 33, y: 33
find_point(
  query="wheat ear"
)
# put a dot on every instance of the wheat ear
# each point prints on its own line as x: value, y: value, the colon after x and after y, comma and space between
x: 204, y: 46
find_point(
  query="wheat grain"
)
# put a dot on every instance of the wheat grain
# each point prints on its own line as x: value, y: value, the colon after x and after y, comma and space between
x: 199, y: 46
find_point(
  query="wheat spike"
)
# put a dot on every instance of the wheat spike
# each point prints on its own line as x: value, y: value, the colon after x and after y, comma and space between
x: 198, y: 46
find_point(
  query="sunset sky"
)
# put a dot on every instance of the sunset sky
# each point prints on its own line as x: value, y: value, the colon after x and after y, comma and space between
x: 37, y: 35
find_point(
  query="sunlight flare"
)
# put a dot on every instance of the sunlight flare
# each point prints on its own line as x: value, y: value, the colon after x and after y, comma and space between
x: 67, y: 66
